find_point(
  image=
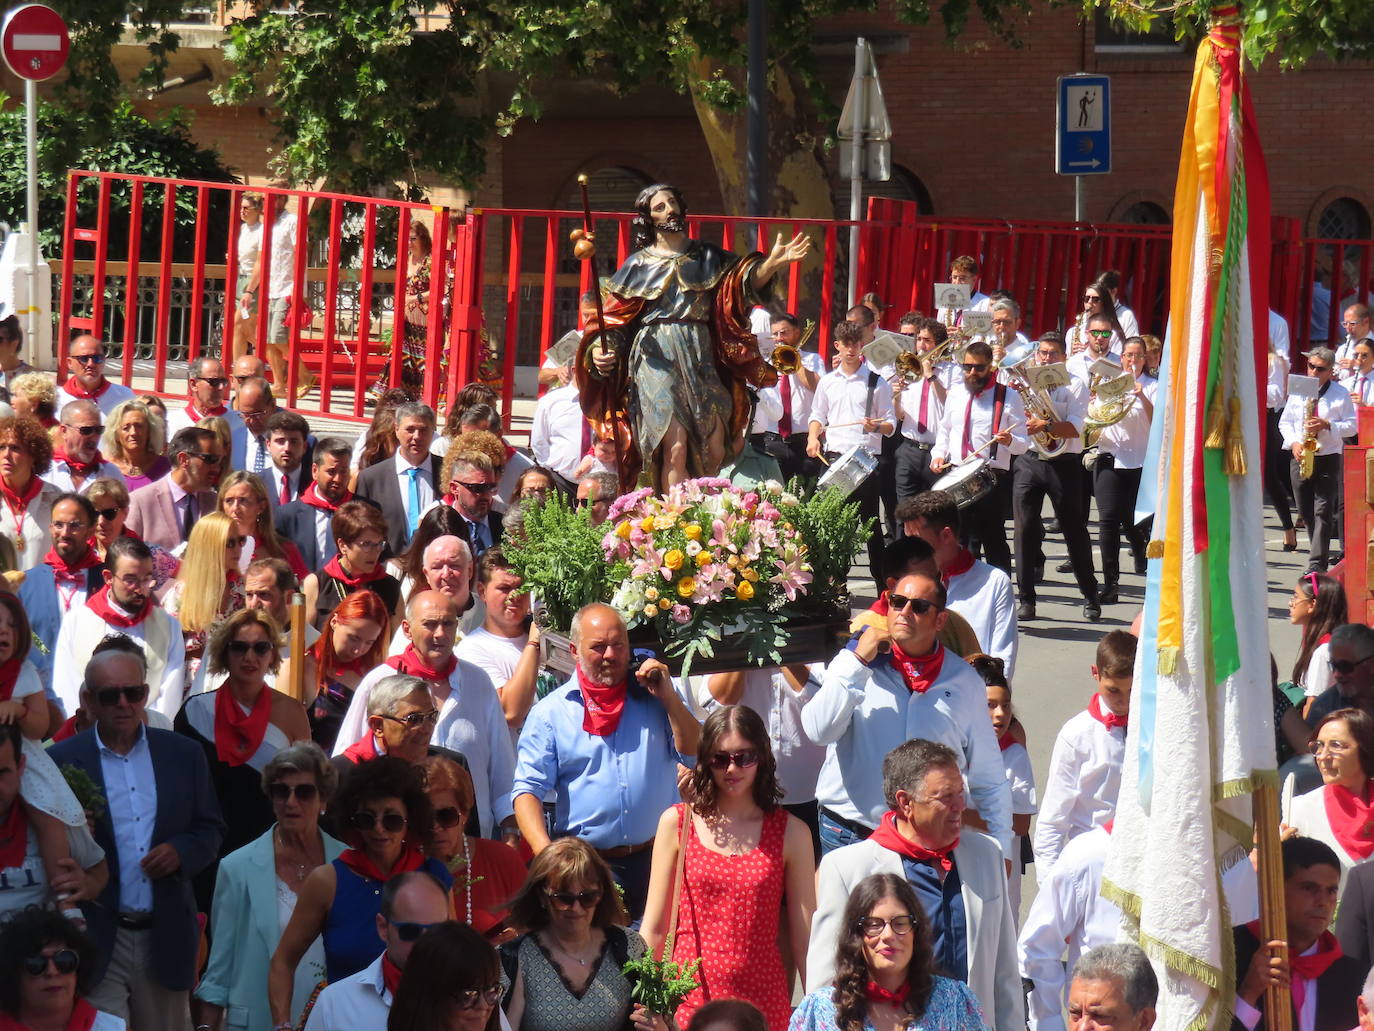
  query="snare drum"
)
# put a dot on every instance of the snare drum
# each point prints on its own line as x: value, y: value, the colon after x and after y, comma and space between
x: 848, y: 472
x: 968, y: 481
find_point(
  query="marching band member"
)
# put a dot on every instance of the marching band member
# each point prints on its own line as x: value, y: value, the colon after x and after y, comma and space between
x: 963, y: 271
x: 1060, y: 477
x: 1331, y: 420
x: 1096, y: 301
x: 784, y: 410
x: 1117, y: 471
x: 1278, y: 336
x: 1109, y: 281
x: 920, y: 406
x: 1357, y: 328
x: 1006, y: 327
x: 853, y: 407
x: 1100, y: 333
x: 984, y: 418
x: 1277, y: 483
x: 1359, y: 378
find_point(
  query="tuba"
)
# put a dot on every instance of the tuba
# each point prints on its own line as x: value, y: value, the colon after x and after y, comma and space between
x: 1113, y: 399
x: 1038, y: 404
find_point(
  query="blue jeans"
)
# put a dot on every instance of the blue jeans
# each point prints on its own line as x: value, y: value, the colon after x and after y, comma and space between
x: 834, y: 835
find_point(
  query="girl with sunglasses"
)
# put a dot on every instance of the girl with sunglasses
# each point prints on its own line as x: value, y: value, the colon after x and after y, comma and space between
x: 745, y: 855
x: 384, y: 817
x: 565, y: 972
x: 1318, y: 606
x: 885, y: 970
x: 452, y: 982
x: 252, y: 907
x: 208, y: 587
x: 242, y: 724
x: 486, y: 873
x: 51, y: 965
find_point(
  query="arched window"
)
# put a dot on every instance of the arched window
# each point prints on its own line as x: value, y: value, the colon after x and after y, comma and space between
x: 1343, y: 219
x: 904, y: 185
x: 1146, y: 213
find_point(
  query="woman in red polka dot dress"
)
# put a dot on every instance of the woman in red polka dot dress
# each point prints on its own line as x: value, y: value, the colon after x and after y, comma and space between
x: 745, y: 855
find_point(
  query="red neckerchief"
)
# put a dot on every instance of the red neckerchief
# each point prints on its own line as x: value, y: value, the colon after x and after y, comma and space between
x: 61, y: 570
x: 82, y: 1019
x: 601, y: 705
x: 361, y: 864
x: 1324, y: 639
x: 315, y: 499
x: 68, y: 729
x: 19, y: 503
x: 9, y: 675
x: 889, y: 837
x: 1108, y: 719
x: 196, y: 416
x: 335, y: 569
x: 962, y: 563
x: 238, y: 734
x: 1351, y: 818
x: 77, y: 466
x: 14, y: 836
x: 1006, y: 741
x: 1309, y: 968
x: 363, y: 749
x: 75, y: 389
x: 410, y: 663
x: 1109, y: 825
x: 919, y: 672
x: 877, y: 993
x: 391, y: 975
x: 100, y: 604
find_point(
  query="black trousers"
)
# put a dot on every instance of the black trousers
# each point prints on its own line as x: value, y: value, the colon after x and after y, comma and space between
x: 886, y: 475
x: 1318, y: 501
x: 985, y: 522
x: 913, y: 469
x: 1061, y: 480
x: 1276, y: 461
x: 1116, y: 491
x: 867, y: 496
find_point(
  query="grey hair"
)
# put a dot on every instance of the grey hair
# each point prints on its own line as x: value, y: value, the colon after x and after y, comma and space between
x: 607, y: 485
x: 1367, y: 994
x: 1009, y: 306
x: 388, y: 692
x: 157, y: 429
x: 79, y: 405
x: 302, y: 757
x: 906, y: 766
x: 1356, y: 636
x: 1122, y: 962
x: 194, y: 370
x: 575, y: 631
x: 415, y: 410
x: 463, y: 548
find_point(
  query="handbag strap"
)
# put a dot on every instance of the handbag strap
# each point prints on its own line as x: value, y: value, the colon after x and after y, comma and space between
x: 675, y: 898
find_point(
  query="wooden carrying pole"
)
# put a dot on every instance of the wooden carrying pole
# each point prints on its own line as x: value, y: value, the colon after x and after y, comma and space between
x: 295, y: 659
x: 1278, y: 1009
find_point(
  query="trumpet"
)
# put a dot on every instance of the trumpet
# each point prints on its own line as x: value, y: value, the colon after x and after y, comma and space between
x: 785, y: 358
x: 1038, y: 404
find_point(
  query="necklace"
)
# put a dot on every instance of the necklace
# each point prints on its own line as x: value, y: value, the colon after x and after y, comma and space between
x: 558, y: 947
x: 303, y: 868
x: 467, y: 878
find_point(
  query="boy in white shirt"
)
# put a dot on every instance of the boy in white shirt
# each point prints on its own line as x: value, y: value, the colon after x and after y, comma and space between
x: 1016, y: 759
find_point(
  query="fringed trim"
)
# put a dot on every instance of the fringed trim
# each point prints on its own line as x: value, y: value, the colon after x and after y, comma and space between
x: 1244, y: 785
x: 1216, y: 422
x: 1155, y: 549
x: 1235, y: 441
x: 1232, y: 826
x: 1168, y: 660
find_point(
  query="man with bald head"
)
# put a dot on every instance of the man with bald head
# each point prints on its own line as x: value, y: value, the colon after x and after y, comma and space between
x: 207, y: 396
x: 256, y: 404
x: 246, y: 367
x: 77, y: 461
x: 86, y: 363
x: 467, y: 711
x: 607, y: 745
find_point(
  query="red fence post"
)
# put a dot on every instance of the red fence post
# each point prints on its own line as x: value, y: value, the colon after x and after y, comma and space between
x: 130, y: 279
x: 164, y: 289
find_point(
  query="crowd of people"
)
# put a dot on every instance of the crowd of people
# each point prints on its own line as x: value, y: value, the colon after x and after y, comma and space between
x: 427, y: 829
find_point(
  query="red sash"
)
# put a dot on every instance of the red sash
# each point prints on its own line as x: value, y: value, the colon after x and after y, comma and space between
x: 14, y: 836
x: 100, y: 604
x: 1309, y: 968
x: 335, y: 569
x: 75, y: 389
x: 1108, y: 719
x: 20, y: 502
x: 410, y: 663
x: 919, y: 671
x: 601, y: 705
x: 391, y: 975
x: 79, y: 467
x: 196, y: 416
x: 238, y: 734
x: 1006, y: 741
x: 1351, y: 818
x: 888, y: 836
x: 877, y: 993
x: 962, y: 563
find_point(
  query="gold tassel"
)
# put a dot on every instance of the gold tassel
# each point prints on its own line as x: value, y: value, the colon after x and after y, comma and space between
x: 1216, y: 422
x: 1155, y: 549
x: 1168, y: 661
x: 1235, y: 441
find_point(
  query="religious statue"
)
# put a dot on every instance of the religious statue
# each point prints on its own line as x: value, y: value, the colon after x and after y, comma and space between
x: 672, y: 354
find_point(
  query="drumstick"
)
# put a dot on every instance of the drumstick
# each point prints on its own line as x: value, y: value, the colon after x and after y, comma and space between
x: 974, y: 453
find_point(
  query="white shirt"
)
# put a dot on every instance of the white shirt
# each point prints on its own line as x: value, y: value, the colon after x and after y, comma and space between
x: 1360, y: 385
x: 26, y: 885
x: 935, y: 407
x: 1307, y: 1016
x: 110, y: 398
x: 425, y: 480
x: 1081, y: 785
x: 769, y: 411
x: 1070, y: 404
x: 557, y: 434
x: 295, y: 479
x: 165, y: 694
x: 131, y: 792
x: 1335, y: 407
x: 977, y: 301
x: 180, y: 419
x: 1278, y: 336
x: 1080, y: 364
x: 359, y: 1002
x: 249, y: 247
x: 282, y: 267
x: 494, y: 655
x: 1276, y: 383
x: 1129, y: 439
x: 1318, y: 677
x: 251, y: 447
x: 984, y: 597
x: 1130, y: 325
x: 961, y: 405
x: 59, y: 474
x: 842, y: 399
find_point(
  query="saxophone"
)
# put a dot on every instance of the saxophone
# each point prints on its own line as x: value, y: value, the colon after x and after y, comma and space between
x: 1308, y: 459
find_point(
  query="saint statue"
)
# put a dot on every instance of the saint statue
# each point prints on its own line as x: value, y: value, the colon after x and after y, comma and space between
x: 676, y: 355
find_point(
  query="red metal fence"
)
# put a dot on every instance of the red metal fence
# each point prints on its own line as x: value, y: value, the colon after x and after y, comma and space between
x: 150, y: 265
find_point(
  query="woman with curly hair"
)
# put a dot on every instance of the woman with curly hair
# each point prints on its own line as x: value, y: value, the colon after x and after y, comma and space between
x: 885, y: 970
x: 745, y: 855
x: 35, y: 394
x: 51, y: 966
x: 26, y: 511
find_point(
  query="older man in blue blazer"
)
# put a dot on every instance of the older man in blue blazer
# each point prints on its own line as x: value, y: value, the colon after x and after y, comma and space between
x: 161, y: 826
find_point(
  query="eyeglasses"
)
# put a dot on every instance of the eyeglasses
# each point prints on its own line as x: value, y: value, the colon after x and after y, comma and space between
x: 449, y: 816
x: 366, y: 820
x: 408, y: 931
x: 1334, y: 747
x: 244, y: 647
x: 897, y: 602
x: 214, y: 381
x: 74, y: 527
x: 280, y: 792
x: 476, y: 488
x: 109, y: 696
x: 207, y: 459
x: 872, y: 926
x: 87, y: 359
x: 974, y: 366
x: 64, y: 961
x: 107, y: 513
x: 230, y: 543
x: 1101, y: 334
x: 414, y: 719
x: 471, y: 998
x: 1346, y: 666
x: 568, y: 899
x: 744, y: 758
x: 133, y: 583
x: 85, y: 431
x: 369, y: 545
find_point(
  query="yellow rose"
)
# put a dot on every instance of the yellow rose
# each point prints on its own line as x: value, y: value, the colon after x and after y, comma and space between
x: 744, y: 590
x: 686, y: 586
x: 651, y: 593
x: 665, y: 604
x: 732, y: 561
x: 623, y: 531
x: 748, y: 574
x: 650, y: 611
x: 664, y: 522
x: 693, y: 531
x: 673, y: 559
x: 647, y: 524
x: 703, y: 557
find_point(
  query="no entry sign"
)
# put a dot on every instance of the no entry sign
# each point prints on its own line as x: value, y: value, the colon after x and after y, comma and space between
x: 35, y: 42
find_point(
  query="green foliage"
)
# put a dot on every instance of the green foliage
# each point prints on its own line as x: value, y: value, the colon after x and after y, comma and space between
x: 86, y: 790
x: 660, y: 985
x: 559, y: 551
x: 120, y: 140
x: 834, y: 534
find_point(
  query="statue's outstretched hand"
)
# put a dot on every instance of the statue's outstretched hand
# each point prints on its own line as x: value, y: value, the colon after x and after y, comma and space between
x: 792, y: 250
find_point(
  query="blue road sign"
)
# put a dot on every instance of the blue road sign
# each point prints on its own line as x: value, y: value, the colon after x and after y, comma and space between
x: 1083, y: 126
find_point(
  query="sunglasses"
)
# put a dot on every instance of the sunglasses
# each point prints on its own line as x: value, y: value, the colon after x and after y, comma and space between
x: 414, y: 719
x: 214, y: 381
x: 872, y: 926
x: 244, y: 647
x: 64, y: 961
x: 476, y: 488
x: 207, y: 459
x: 449, y: 816
x: 409, y: 932
x: 744, y: 758
x: 974, y: 366
x: 86, y: 431
x: 366, y: 820
x: 303, y: 792
x: 107, y: 513
x: 1345, y: 666
x: 133, y: 694
x: 87, y: 359
x: 471, y: 998
x: 568, y: 899
x: 1091, y: 299
x: 897, y: 602
x: 1101, y: 334
x: 1317, y: 368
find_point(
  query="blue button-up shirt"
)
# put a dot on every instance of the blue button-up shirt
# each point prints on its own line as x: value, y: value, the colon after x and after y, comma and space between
x: 609, y: 790
x: 131, y: 790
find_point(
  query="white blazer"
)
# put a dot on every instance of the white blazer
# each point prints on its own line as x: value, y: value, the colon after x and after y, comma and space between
x: 993, y: 975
